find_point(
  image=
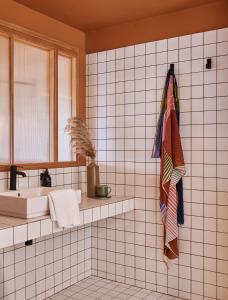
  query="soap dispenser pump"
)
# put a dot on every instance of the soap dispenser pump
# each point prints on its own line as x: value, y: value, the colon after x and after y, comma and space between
x: 45, y: 178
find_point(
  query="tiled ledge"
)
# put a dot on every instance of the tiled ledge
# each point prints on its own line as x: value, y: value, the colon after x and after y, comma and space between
x: 14, y: 230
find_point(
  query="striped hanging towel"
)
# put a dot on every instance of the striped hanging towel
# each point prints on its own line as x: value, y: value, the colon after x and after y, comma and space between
x: 172, y: 170
x: 157, y: 149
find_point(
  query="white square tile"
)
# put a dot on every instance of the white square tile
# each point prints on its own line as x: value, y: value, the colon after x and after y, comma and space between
x: 161, y: 45
x: 120, y: 53
x: 150, y: 47
x: 101, y: 57
x: 150, y: 59
x: 92, y: 58
x: 88, y: 217
x: 82, y: 217
x: 96, y: 213
x: 222, y: 89
x: 9, y: 289
x: 33, y: 230
x: 110, y: 54
x: 132, y: 204
x: 6, y: 237
x: 140, y: 49
x: 173, y: 43
x: 184, y: 67
x: 126, y: 205
x: 173, y: 56
x: 46, y: 227
x: 119, y: 64
x: 140, y: 73
x: 210, y: 290
x: 222, y: 35
x: 9, y: 272
x: 162, y: 57
x: 210, y: 37
x: 222, y: 48
x: 20, y: 234
x: 209, y: 211
x: 210, y: 90
x: 140, y: 84
x: 197, y: 79
x: 185, y: 41
x: 92, y: 69
x: 104, y: 211
x: 129, y: 86
x: 210, y: 50
x: 111, y: 209
x: 162, y: 70
x: 222, y: 266
x: 197, y: 91
x: 185, y: 54
x: 119, y: 208
x: 129, y: 51
x: 222, y: 75
x: 197, y: 39
x: 210, y: 77
x: 102, y: 67
x: 197, y: 52
x: 197, y: 65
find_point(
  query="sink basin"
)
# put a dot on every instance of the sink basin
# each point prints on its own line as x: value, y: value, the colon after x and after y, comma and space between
x: 27, y: 203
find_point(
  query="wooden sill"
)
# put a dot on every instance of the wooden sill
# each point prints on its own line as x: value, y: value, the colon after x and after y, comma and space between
x: 49, y: 165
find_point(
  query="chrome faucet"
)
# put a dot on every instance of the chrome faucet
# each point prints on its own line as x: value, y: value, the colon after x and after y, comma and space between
x: 13, y: 177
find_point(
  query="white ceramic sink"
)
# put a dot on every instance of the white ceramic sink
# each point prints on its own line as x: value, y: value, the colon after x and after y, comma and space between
x: 27, y: 203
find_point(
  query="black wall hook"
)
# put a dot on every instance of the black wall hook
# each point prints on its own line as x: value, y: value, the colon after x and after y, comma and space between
x: 171, y: 67
x: 29, y: 243
x: 209, y: 63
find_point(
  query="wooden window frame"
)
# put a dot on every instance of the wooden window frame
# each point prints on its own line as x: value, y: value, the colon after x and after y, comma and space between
x: 55, y: 48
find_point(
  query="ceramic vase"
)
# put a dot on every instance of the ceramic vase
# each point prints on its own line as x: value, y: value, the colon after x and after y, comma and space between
x: 93, y: 178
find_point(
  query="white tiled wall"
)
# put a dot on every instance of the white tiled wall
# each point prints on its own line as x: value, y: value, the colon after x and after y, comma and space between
x: 46, y: 267
x: 52, y: 262
x: 14, y: 231
x: 124, y: 88
x: 62, y: 177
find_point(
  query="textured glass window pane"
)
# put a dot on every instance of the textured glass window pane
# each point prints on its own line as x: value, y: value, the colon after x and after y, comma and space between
x: 4, y: 101
x: 32, y: 138
x: 64, y: 107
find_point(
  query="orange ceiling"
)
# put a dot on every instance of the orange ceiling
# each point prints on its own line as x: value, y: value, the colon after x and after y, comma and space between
x: 95, y: 14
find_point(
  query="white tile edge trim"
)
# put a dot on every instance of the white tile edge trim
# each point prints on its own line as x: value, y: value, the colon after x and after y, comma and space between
x: 18, y: 234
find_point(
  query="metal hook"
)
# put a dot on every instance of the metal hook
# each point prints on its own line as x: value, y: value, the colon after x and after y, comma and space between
x: 171, y: 67
x: 209, y: 63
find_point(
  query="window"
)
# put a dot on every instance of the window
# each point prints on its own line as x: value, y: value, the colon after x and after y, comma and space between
x: 66, y: 107
x: 4, y: 101
x: 32, y: 114
x: 38, y: 93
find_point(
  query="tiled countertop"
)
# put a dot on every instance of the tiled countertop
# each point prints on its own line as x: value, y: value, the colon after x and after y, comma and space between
x: 15, y: 230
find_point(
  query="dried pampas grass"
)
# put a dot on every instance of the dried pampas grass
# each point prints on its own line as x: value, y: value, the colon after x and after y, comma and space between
x: 80, y: 137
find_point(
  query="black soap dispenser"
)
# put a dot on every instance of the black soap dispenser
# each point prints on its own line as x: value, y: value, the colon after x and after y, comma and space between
x: 45, y: 178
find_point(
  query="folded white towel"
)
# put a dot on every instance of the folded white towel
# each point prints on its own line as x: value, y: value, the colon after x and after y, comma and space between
x: 64, y: 207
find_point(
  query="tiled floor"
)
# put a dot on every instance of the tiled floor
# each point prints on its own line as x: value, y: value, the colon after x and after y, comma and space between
x: 97, y: 288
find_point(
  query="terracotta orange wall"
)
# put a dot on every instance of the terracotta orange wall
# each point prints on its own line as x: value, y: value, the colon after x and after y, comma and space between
x: 202, y: 18
x: 18, y: 14
x: 23, y: 16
